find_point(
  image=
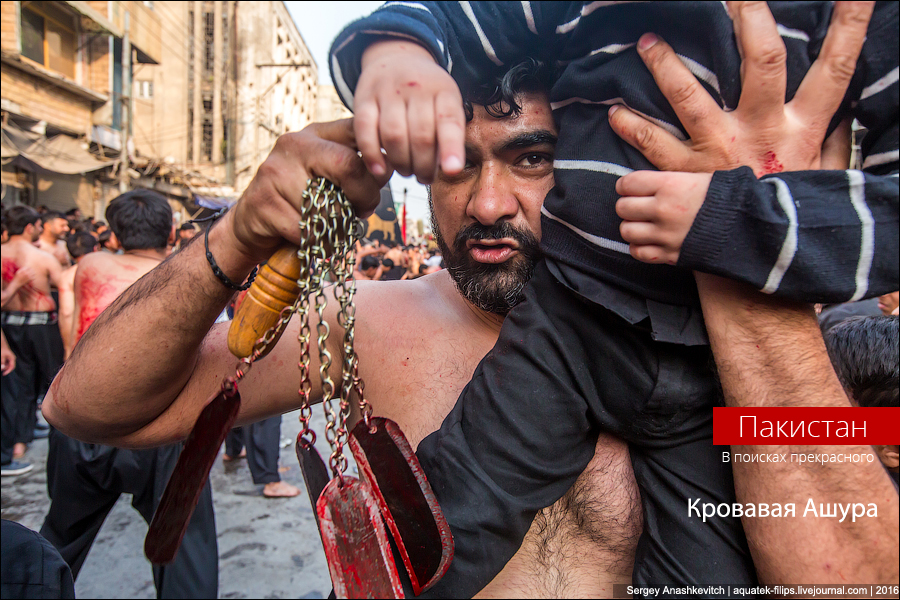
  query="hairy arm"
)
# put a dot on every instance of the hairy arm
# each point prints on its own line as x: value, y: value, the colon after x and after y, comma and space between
x: 770, y: 352
x: 150, y: 362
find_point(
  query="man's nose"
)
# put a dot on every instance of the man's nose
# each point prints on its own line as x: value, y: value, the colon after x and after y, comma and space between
x: 493, y: 198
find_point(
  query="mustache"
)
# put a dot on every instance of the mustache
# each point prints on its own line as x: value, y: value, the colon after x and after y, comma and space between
x: 477, y: 231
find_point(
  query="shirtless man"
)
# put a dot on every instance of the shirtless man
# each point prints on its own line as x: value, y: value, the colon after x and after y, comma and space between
x: 29, y: 319
x: 52, y: 240
x: 79, y: 245
x: 85, y: 480
x: 579, y: 547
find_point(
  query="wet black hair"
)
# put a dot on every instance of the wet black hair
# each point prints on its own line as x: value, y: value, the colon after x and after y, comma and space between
x: 500, y: 97
x: 20, y: 217
x: 141, y: 219
x: 81, y: 243
x: 865, y: 352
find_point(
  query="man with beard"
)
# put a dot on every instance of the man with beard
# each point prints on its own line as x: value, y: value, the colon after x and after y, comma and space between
x: 53, y: 238
x: 488, y: 219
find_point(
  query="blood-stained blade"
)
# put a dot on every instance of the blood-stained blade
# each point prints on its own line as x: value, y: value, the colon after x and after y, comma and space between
x: 315, y: 473
x: 190, y: 475
x: 355, y: 542
x: 388, y: 463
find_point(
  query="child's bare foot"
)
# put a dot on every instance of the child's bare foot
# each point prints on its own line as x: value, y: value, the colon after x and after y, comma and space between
x: 280, y: 489
x: 658, y: 210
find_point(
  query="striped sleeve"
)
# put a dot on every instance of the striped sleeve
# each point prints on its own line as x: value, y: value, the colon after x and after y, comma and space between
x: 474, y: 41
x: 816, y: 236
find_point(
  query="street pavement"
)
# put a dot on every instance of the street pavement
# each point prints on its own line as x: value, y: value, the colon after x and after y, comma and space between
x: 268, y: 548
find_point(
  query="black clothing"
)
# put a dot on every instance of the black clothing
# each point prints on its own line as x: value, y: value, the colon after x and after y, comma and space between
x: 834, y: 314
x: 604, y: 373
x: 30, y: 567
x: 572, y: 360
x: 39, y: 355
x: 85, y: 481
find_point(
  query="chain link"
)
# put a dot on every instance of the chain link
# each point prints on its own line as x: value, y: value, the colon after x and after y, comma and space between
x: 326, y: 223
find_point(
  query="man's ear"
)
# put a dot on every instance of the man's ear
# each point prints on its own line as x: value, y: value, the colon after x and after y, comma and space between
x: 172, y: 236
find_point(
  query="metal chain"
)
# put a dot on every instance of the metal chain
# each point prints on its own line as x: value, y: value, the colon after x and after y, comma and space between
x: 338, y: 231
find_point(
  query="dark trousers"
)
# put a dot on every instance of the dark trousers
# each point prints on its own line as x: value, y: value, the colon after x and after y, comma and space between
x: 86, y: 480
x: 526, y: 426
x: 262, y: 442
x: 39, y: 355
x: 9, y: 410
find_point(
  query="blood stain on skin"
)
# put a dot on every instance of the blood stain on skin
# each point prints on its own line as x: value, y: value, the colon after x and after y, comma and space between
x: 771, y: 164
x: 95, y: 297
x: 413, y: 84
x: 10, y: 268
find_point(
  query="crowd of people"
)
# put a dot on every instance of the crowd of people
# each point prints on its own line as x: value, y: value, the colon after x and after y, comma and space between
x: 556, y: 371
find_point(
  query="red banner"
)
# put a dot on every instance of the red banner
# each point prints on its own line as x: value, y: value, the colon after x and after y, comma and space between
x: 806, y: 426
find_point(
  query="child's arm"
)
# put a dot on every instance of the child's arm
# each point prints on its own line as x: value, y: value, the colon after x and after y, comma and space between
x: 809, y: 235
x: 393, y: 70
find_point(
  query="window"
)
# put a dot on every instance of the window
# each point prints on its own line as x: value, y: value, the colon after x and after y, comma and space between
x: 143, y: 89
x: 209, y: 43
x: 48, y: 39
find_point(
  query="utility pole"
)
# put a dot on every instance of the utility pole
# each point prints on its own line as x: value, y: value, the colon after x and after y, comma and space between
x: 127, y: 106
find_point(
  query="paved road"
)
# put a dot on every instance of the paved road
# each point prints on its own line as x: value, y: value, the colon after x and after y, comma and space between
x: 268, y: 548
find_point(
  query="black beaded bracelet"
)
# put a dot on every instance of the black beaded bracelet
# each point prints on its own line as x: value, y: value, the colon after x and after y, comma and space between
x: 215, y: 268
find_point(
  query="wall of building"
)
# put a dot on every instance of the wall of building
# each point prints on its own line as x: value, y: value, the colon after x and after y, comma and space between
x: 329, y: 106
x: 271, y: 100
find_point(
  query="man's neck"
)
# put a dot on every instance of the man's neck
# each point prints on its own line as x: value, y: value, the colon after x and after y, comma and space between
x: 488, y: 319
x: 151, y: 253
x: 49, y: 238
x: 20, y: 239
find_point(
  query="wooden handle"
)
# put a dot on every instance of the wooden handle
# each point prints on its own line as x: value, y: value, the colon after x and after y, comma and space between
x: 274, y: 288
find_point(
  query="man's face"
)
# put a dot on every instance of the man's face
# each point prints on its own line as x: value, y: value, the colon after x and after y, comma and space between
x: 36, y: 230
x: 58, y: 227
x: 487, y: 219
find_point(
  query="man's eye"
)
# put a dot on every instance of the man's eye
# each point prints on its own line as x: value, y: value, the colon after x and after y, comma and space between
x: 533, y: 160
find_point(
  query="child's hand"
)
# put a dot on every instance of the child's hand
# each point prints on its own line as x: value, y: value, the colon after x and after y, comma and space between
x: 763, y: 132
x: 658, y: 209
x: 410, y: 106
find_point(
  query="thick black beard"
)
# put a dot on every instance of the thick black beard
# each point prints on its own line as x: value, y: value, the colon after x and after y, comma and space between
x: 495, y: 288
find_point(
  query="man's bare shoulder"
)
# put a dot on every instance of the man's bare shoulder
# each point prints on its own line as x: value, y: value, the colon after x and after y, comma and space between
x: 423, y: 299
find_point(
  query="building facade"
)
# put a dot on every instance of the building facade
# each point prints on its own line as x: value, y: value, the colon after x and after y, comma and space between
x: 64, y: 76
x: 187, y: 98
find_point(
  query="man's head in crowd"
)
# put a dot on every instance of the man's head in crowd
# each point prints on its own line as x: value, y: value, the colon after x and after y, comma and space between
x: 24, y: 220
x: 865, y: 352
x: 486, y: 220
x: 141, y: 220
x: 369, y: 266
x: 81, y: 243
x: 74, y: 213
x: 185, y: 233
x: 55, y: 224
